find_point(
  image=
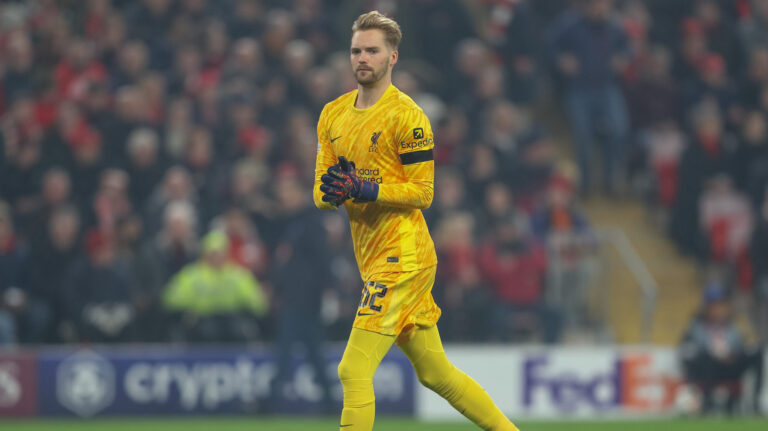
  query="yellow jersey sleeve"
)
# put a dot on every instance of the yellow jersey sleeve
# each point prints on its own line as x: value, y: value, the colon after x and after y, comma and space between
x: 325, y: 159
x: 415, y: 147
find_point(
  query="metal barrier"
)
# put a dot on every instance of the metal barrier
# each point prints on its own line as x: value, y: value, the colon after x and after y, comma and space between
x: 579, y: 281
x: 637, y: 267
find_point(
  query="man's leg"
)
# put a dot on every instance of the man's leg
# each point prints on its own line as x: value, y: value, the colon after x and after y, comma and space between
x: 364, y: 352
x: 312, y: 338
x: 425, y: 351
x: 614, y: 111
x: 579, y: 109
x: 286, y: 336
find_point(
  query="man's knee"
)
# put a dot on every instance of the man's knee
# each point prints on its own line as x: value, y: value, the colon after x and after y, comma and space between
x: 347, y: 370
x: 431, y: 379
x: 436, y: 374
x: 356, y: 383
x: 354, y: 366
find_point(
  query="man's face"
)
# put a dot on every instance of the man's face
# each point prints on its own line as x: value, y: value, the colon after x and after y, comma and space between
x: 216, y: 258
x: 599, y: 9
x: 371, y: 57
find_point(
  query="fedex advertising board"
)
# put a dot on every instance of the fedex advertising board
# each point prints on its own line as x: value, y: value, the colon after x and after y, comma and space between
x: 566, y: 382
x: 194, y: 381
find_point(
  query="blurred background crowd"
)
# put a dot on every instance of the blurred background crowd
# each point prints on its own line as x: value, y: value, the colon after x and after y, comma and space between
x: 157, y: 156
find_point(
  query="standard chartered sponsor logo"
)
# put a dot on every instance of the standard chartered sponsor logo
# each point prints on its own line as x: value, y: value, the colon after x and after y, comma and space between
x: 371, y: 175
x: 85, y: 383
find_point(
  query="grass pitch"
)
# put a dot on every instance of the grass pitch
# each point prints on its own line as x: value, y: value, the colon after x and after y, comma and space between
x: 382, y: 424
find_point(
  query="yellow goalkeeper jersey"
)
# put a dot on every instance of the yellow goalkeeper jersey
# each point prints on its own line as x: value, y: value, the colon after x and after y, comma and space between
x: 391, y: 144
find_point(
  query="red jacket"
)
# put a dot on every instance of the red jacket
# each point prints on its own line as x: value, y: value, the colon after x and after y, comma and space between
x: 515, y: 278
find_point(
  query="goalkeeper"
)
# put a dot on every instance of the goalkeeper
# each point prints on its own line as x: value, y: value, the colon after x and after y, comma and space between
x: 375, y: 158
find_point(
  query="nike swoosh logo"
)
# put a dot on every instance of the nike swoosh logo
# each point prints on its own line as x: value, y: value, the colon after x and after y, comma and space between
x: 333, y: 139
x: 363, y: 314
x: 344, y: 426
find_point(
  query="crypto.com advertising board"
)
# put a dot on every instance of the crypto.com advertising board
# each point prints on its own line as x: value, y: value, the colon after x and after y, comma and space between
x: 162, y: 380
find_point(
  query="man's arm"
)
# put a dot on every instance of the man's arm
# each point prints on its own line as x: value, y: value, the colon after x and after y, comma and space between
x: 415, y: 145
x: 325, y: 159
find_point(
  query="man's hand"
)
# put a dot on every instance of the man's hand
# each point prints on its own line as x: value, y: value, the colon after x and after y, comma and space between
x: 341, y: 183
x: 334, y: 190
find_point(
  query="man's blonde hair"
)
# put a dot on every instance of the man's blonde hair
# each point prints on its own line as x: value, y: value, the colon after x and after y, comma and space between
x: 375, y: 20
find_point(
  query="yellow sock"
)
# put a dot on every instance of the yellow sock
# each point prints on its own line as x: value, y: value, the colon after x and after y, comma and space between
x: 361, y: 357
x: 425, y: 351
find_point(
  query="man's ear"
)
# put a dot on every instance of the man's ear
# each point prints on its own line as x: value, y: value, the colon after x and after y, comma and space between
x: 393, y: 58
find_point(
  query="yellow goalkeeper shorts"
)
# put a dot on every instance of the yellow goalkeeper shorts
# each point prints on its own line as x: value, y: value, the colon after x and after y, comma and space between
x: 394, y: 303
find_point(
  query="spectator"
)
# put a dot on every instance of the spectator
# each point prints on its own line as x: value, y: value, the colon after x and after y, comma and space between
x: 570, y: 242
x: 145, y: 166
x: 754, y: 29
x: 458, y: 284
x: 514, y: 267
x: 654, y: 97
x: 149, y: 19
x: 244, y: 70
x: 18, y: 78
x: 530, y: 171
x: 132, y: 64
x: 591, y: 52
x: 98, y: 296
x: 471, y: 58
x: 163, y: 255
x: 299, y: 242
x: 726, y: 219
x: 51, y: 258
x: 483, y: 169
x: 178, y: 127
x: 450, y: 197
x: 664, y: 143
x: 246, y: 247
x: 247, y: 19
x: 709, y: 152
x: 721, y: 33
x: 345, y: 292
x: 759, y: 255
x: 176, y: 186
x: 21, y: 175
x: 755, y: 79
x: 712, y: 84
x: 55, y: 193
x: 752, y: 157
x: 518, y: 44
x: 205, y: 172
x: 498, y: 204
x: 13, y: 261
x: 111, y: 201
x: 714, y: 353
x: 441, y: 25
x: 215, y: 298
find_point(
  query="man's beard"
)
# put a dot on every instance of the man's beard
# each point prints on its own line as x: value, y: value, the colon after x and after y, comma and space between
x: 371, y: 78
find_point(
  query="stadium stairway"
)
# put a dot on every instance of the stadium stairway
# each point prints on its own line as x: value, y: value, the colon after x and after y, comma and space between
x: 677, y: 279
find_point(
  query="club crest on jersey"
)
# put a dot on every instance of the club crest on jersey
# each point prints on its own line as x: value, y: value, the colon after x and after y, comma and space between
x: 374, y: 142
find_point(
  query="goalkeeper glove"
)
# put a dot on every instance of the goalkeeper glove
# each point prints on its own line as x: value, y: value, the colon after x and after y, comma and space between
x: 341, y: 183
x: 333, y: 190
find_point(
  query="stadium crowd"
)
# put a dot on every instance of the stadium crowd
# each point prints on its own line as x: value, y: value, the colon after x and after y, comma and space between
x: 156, y: 158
